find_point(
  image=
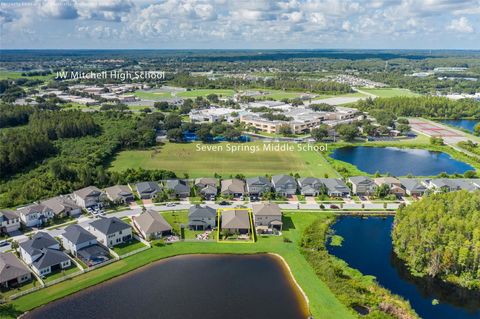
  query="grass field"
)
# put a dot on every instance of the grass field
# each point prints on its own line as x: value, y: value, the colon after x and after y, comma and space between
x: 186, y: 158
x: 16, y: 75
x: 204, y: 92
x: 323, y: 304
x: 390, y: 92
x: 152, y: 95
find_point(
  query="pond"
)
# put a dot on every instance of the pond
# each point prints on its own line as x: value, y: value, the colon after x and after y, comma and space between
x: 192, y: 286
x: 367, y: 246
x: 399, y: 161
x: 465, y: 124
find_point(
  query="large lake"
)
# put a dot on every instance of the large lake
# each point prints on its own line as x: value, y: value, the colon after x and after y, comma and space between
x: 193, y: 286
x: 465, y: 124
x: 367, y: 246
x: 399, y: 161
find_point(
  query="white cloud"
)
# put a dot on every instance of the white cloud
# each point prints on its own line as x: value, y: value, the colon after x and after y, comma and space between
x: 58, y: 9
x: 461, y: 25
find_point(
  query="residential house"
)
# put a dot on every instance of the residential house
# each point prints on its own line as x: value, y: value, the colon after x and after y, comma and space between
x: 362, y: 185
x: 62, y: 206
x: 202, y: 217
x: 9, y: 221
x: 413, y: 187
x: 267, y: 216
x: 111, y: 231
x: 442, y: 185
x: 12, y: 271
x: 177, y: 188
x: 232, y: 187
x: 467, y: 184
x: 257, y: 186
x: 147, y: 190
x: 151, y: 224
x: 35, y: 215
x: 310, y: 186
x: 206, y: 187
x: 393, y: 183
x: 284, y: 185
x: 43, y: 254
x: 336, y: 187
x: 87, y: 197
x: 119, y: 194
x: 236, y: 221
x: 76, y: 237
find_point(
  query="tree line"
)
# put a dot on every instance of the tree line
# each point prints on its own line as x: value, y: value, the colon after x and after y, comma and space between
x: 427, y: 106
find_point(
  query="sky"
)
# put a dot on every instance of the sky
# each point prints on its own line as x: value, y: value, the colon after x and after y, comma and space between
x: 240, y: 24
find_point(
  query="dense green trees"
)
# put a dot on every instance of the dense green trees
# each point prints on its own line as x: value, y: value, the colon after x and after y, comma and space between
x: 439, y: 236
x: 428, y: 106
x: 78, y: 162
x: 13, y: 116
x: 320, y: 132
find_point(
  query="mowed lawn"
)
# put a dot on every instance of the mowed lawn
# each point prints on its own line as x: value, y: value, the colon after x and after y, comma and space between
x: 390, y: 92
x: 204, y: 92
x: 152, y: 95
x: 186, y: 158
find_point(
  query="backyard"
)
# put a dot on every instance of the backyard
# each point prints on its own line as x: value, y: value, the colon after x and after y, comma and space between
x: 187, y: 159
x: 178, y: 218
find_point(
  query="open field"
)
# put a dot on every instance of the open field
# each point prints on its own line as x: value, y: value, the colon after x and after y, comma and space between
x: 323, y: 304
x: 204, y: 92
x: 186, y: 158
x: 152, y: 95
x: 16, y: 75
x: 390, y: 92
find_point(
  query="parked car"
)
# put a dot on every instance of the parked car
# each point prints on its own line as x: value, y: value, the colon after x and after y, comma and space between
x: 334, y: 207
x: 4, y: 243
x: 171, y: 204
x: 223, y: 203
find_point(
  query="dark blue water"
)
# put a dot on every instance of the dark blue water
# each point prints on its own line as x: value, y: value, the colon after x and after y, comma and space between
x: 400, y: 162
x: 465, y: 124
x: 188, y: 287
x: 367, y: 246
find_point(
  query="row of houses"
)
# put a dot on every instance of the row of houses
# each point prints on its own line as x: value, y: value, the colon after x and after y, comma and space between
x: 362, y: 185
x: 209, y: 188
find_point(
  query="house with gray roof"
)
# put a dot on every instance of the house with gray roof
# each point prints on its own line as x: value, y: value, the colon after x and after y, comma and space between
x: 87, y: 197
x: 257, y: 186
x: 310, y: 186
x: 235, y: 221
x: 111, y: 231
x: 467, y: 184
x: 35, y: 215
x: 284, y: 185
x: 413, y: 187
x: 151, y: 224
x: 147, y: 190
x: 43, y: 254
x: 13, y: 272
x: 336, y: 187
x: 9, y: 221
x: 62, y: 206
x: 120, y: 194
x: 267, y: 216
x: 202, y: 217
x: 76, y: 237
x: 206, y: 187
x: 233, y: 187
x: 177, y: 188
x: 362, y: 185
x: 442, y: 184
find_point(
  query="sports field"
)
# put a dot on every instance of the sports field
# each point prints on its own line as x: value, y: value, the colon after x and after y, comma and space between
x: 188, y: 159
x: 16, y: 75
x: 390, y: 92
x: 204, y: 92
x: 152, y: 95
